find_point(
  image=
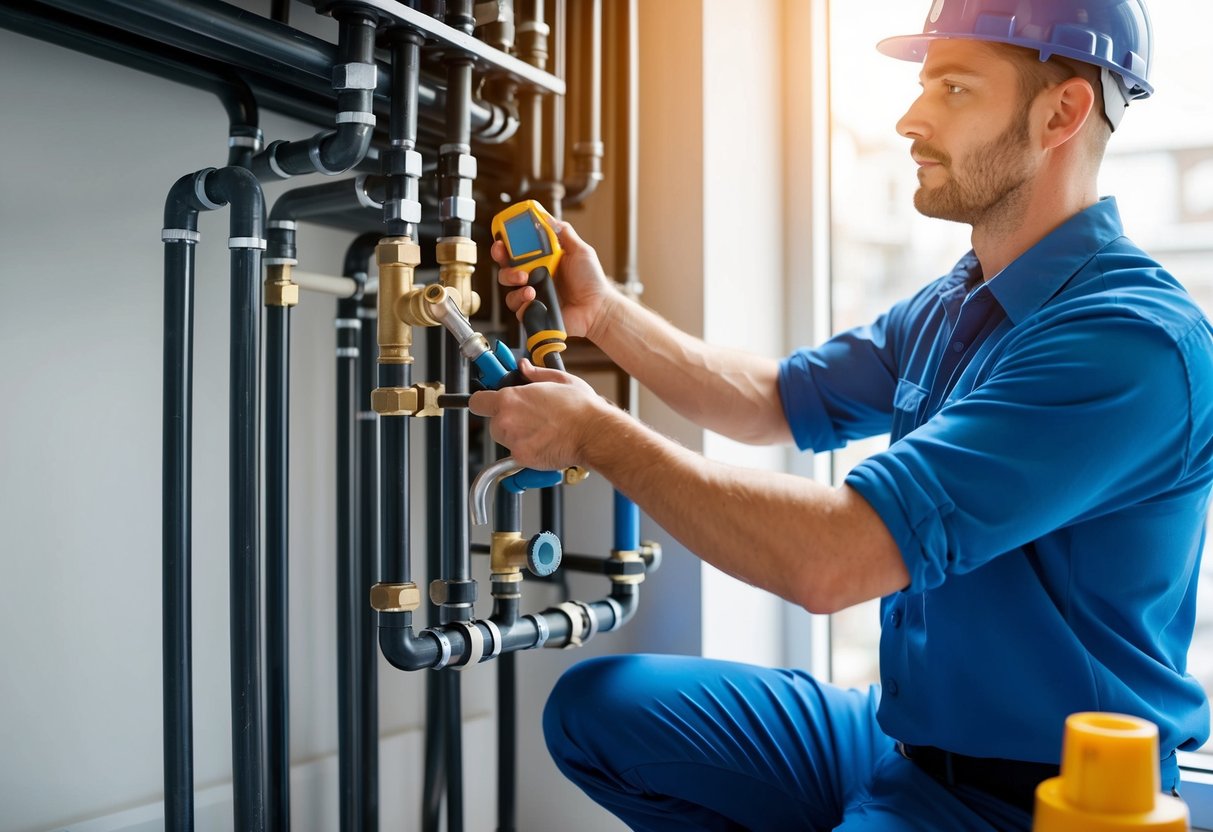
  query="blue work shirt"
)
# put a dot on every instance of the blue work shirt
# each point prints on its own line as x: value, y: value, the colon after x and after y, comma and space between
x: 1047, y: 483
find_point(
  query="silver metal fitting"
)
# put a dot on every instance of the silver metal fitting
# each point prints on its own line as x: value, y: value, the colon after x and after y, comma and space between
x: 402, y: 210
x: 478, y: 494
x: 179, y: 235
x: 355, y: 76
x: 457, y: 208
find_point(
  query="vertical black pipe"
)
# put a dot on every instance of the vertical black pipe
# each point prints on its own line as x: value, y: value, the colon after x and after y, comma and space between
x: 435, y: 683
x: 456, y: 556
x: 367, y: 530
x: 277, y: 570
x: 248, y: 751
x: 507, y: 742
x: 246, y: 241
x: 454, y: 188
x: 349, y: 596
x: 176, y: 526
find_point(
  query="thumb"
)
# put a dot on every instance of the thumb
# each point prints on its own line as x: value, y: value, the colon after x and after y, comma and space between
x: 534, y: 373
x: 483, y: 403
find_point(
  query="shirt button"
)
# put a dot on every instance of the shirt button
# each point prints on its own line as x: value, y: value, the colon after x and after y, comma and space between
x: 890, y: 687
x: 958, y: 346
x: 895, y: 618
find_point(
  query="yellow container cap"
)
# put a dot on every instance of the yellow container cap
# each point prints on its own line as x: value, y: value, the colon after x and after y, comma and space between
x: 1109, y: 780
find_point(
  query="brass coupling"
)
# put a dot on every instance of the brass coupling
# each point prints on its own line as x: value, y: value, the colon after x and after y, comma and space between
x: 395, y: 597
x: 456, y: 262
x: 507, y: 556
x: 420, y: 400
x: 398, y: 258
x: 279, y: 289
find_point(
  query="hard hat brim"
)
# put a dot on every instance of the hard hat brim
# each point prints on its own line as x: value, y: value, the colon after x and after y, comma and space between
x: 914, y: 48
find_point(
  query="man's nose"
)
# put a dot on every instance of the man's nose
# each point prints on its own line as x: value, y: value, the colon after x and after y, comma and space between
x: 914, y: 124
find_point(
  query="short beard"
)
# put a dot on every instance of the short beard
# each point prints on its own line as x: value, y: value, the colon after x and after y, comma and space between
x: 989, y: 188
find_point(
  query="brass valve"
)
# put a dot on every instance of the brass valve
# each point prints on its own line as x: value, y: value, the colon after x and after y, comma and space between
x: 398, y: 258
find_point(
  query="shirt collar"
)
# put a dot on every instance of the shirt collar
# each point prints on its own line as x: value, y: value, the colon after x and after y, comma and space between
x: 1039, y: 273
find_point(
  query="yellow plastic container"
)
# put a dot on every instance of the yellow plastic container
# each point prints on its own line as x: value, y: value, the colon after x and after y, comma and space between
x: 1109, y: 780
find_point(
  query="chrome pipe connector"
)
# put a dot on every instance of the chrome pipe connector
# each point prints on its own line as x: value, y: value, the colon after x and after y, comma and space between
x: 478, y: 495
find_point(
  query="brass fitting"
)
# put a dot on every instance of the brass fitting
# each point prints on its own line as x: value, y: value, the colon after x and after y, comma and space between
x: 398, y: 258
x: 419, y: 400
x: 395, y: 597
x: 456, y: 261
x: 575, y: 475
x: 279, y: 290
x: 507, y: 554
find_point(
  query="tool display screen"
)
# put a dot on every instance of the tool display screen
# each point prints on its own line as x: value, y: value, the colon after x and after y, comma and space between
x: 523, y: 236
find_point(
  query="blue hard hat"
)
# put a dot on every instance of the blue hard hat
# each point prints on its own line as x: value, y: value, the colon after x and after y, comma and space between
x: 1115, y: 35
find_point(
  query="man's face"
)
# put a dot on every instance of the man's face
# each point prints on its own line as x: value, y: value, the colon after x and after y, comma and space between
x: 970, y: 133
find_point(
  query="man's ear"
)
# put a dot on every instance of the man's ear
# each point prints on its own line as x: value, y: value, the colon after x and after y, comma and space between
x: 1070, y: 104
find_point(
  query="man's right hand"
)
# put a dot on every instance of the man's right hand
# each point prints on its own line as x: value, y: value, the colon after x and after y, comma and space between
x: 586, y: 294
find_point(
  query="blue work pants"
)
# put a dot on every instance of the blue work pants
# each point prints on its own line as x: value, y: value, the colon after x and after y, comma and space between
x: 675, y: 743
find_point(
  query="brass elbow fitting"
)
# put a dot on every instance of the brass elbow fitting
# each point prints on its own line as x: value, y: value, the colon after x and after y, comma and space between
x: 456, y: 262
x: 419, y: 400
x: 507, y: 556
x: 398, y: 258
x: 279, y: 290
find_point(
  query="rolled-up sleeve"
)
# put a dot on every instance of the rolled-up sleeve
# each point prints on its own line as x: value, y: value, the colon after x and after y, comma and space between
x: 1075, y: 418
x: 842, y: 390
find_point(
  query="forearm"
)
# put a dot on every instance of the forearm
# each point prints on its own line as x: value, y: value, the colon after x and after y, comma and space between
x: 724, y: 390
x: 821, y: 548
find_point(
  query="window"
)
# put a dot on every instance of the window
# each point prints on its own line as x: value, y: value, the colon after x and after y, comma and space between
x: 1160, y: 166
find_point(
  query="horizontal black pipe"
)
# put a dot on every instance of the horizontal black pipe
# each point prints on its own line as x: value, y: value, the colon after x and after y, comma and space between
x: 409, y: 650
x: 112, y: 44
x: 257, y: 46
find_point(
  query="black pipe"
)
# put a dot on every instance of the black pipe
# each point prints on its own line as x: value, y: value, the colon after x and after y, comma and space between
x: 350, y: 596
x: 367, y: 530
x: 435, y: 683
x: 239, y: 187
x: 207, y: 190
x: 277, y: 568
x: 258, y: 48
x: 354, y: 78
x: 402, y: 163
x: 112, y: 44
x: 180, y: 236
x: 280, y: 10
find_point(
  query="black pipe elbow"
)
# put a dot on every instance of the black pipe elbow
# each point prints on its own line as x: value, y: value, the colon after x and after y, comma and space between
x: 359, y: 252
x: 406, y: 650
x: 240, y: 189
x: 627, y: 597
x: 183, y: 203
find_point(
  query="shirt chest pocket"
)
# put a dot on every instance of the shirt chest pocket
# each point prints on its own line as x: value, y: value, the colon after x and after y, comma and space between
x: 908, y: 401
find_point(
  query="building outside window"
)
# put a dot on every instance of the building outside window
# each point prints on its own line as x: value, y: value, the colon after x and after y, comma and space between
x: 1159, y: 166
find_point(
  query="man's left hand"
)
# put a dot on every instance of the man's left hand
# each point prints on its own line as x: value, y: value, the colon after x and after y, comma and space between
x: 546, y: 424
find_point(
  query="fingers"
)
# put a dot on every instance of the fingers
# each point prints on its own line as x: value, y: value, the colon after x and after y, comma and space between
x: 533, y: 373
x: 484, y: 403
x: 519, y: 299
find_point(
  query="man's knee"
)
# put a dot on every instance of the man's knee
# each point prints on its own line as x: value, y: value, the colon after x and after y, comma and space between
x: 586, y: 694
